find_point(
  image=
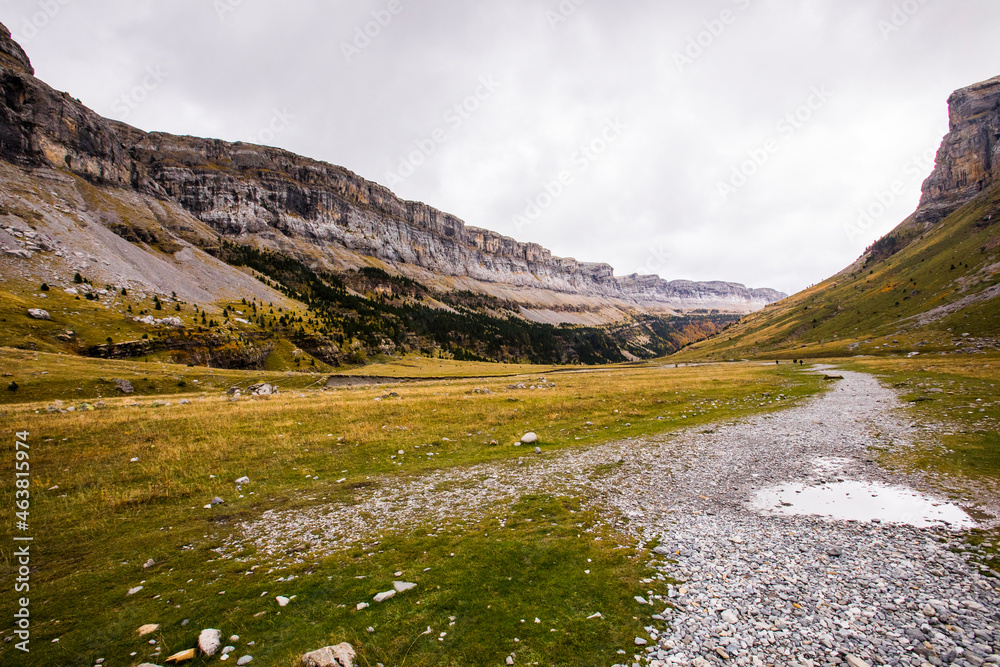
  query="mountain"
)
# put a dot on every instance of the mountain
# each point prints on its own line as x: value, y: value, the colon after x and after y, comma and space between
x: 322, y: 212
x: 930, y: 285
x: 210, y: 227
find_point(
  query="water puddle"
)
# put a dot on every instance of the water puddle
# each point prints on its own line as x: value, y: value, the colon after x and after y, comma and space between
x: 862, y: 501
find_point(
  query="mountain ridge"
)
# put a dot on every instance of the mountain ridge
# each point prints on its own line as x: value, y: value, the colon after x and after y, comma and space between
x: 320, y: 212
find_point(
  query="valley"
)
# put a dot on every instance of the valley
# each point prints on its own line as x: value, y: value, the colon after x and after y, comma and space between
x: 259, y: 410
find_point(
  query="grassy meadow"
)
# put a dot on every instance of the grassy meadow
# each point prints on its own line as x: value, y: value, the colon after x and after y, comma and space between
x: 126, y: 482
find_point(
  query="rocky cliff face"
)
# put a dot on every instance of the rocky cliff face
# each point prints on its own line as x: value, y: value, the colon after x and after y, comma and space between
x: 697, y: 294
x: 969, y: 155
x: 309, y: 207
x: 11, y: 53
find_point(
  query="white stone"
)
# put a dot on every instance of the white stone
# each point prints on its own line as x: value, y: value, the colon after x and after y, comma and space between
x: 209, y: 641
x: 245, y: 660
x: 39, y: 314
x: 341, y: 655
x: 282, y: 600
x: 403, y: 586
x: 529, y: 438
x: 382, y: 597
x: 729, y: 616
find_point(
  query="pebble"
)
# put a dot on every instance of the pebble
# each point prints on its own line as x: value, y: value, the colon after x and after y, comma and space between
x: 804, y: 590
x: 382, y: 597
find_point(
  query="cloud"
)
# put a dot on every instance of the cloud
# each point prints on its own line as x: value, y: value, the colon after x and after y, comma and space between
x: 700, y: 87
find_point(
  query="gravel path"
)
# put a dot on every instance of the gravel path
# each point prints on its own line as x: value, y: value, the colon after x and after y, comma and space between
x: 760, y: 588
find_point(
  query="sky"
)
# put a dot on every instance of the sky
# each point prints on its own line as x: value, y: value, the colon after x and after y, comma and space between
x: 766, y: 142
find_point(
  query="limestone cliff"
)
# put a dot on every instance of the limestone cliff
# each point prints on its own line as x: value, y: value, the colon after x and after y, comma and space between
x: 318, y: 211
x: 969, y: 155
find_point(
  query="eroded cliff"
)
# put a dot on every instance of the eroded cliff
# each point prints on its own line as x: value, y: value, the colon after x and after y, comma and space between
x: 318, y: 211
x: 968, y: 157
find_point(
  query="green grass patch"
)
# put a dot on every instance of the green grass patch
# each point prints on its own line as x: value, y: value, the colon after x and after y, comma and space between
x: 116, y: 486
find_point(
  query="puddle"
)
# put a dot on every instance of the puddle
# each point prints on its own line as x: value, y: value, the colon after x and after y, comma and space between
x: 863, y: 501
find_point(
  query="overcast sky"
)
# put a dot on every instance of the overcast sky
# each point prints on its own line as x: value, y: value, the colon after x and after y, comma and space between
x: 728, y: 139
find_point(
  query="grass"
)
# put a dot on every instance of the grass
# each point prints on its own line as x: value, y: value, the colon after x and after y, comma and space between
x: 961, y: 393
x: 872, y: 309
x: 98, y: 515
x: 414, y: 366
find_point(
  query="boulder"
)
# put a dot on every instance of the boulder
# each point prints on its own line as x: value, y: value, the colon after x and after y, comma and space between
x: 262, y: 389
x: 124, y: 386
x: 39, y: 314
x: 209, y: 641
x: 341, y: 655
x: 529, y: 438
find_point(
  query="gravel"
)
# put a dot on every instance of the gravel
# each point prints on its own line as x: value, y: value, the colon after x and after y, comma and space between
x: 759, y: 588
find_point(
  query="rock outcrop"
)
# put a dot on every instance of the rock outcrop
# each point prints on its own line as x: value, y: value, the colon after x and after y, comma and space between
x: 692, y: 295
x: 317, y: 211
x: 11, y: 53
x: 969, y: 155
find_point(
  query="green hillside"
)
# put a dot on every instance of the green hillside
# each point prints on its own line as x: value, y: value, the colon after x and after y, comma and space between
x: 913, y: 291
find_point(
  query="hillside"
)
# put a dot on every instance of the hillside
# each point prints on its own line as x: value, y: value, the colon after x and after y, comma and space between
x: 265, y: 259
x: 930, y: 285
